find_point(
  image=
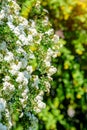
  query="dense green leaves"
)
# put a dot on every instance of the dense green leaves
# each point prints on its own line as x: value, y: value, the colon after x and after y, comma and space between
x: 68, y: 96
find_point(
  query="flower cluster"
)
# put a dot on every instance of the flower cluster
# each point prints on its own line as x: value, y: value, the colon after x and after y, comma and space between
x: 26, y: 52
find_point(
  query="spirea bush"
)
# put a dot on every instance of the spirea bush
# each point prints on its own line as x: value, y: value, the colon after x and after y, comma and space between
x: 26, y: 51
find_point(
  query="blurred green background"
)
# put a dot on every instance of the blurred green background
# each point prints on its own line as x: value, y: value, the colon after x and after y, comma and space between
x: 67, y: 101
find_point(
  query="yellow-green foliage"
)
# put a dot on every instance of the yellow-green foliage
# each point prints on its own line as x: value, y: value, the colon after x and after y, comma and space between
x: 26, y: 7
x: 67, y: 103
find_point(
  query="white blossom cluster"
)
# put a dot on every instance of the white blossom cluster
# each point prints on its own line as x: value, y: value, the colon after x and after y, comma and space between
x: 25, y: 64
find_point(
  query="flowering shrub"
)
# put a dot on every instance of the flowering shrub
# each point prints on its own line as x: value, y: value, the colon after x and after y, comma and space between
x: 26, y: 51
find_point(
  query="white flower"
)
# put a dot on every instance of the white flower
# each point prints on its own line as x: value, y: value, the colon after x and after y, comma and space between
x: 37, y: 110
x: 20, y: 87
x: 52, y: 70
x: 9, y: 56
x: 3, y: 45
x: 56, y: 39
x: 39, y: 107
x: 25, y: 82
x: 47, y: 63
x: 55, y: 54
x: 20, y: 77
x: 32, y: 23
x: 33, y: 31
x: 20, y: 50
x: 50, y: 32
x: 2, y: 104
x: 9, y: 23
x: 6, y: 78
x: 22, y: 19
x: 23, y: 102
x: 36, y: 81
x: 29, y: 69
x: 47, y: 84
x: 2, y: 14
x: 71, y: 112
x: 8, y: 118
x: 25, y: 23
x: 25, y: 93
x: 49, y: 52
x: 31, y: 56
x: 38, y: 97
x: 30, y: 38
x: 24, y: 40
x: 21, y: 115
x: 10, y: 18
x: 21, y: 28
x: 16, y: 7
x: 16, y: 31
x: 45, y: 21
x: 15, y: 68
x: 41, y: 104
x: 18, y: 43
x: 7, y: 86
x: 24, y: 62
x: 26, y: 74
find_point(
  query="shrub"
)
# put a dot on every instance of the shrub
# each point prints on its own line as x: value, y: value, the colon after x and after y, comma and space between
x: 66, y: 106
x: 26, y: 51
